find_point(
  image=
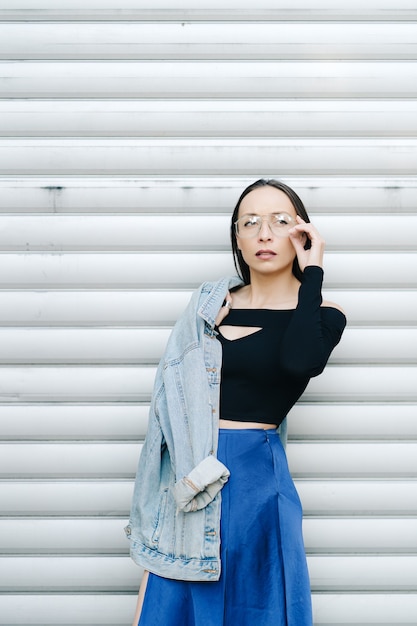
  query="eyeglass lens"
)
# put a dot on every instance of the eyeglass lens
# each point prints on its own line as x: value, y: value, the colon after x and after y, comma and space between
x: 250, y: 225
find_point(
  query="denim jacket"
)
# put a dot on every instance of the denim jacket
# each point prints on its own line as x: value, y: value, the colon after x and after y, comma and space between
x: 175, y: 517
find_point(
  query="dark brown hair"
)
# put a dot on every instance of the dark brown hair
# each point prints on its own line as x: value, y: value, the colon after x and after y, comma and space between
x: 241, y: 266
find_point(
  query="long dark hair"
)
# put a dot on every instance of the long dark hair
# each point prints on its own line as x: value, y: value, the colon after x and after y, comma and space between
x: 241, y: 266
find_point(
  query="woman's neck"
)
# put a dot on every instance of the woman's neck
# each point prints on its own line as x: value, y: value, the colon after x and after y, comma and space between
x: 271, y: 292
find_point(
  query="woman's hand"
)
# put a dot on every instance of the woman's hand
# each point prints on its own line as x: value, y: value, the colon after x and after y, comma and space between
x: 298, y: 235
x: 224, y: 311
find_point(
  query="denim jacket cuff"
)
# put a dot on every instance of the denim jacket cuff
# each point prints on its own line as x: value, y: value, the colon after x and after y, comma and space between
x: 203, y: 483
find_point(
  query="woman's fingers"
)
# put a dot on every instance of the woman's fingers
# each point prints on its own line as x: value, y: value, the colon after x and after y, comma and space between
x: 224, y: 311
x: 298, y: 235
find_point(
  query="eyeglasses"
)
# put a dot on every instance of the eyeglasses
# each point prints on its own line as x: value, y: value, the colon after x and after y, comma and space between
x: 250, y: 225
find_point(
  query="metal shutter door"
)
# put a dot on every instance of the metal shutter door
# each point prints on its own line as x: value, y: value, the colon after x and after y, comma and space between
x: 126, y: 136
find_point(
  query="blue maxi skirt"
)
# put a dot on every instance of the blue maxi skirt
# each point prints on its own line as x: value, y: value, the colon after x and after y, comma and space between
x: 264, y: 579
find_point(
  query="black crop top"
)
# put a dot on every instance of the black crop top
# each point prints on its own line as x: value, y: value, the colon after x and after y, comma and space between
x: 265, y: 373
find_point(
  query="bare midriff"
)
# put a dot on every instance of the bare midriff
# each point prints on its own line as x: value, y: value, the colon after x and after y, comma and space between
x: 236, y: 425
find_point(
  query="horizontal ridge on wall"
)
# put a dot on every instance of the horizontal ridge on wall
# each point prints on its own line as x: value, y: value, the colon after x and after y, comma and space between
x: 200, y: 118
x: 146, y: 345
x: 158, y: 195
x: 234, y: 10
x: 331, y: 496
x: 209, y: 233
x: 84, y: 574
x: 134, y: 157
x: 120, y: 270
x: 90, y: 536
x: 211, y: 80
x: 116, y: 609
x: 208, y: 40
x: 98, y: 307
x: 98, y: 459
x: 319, y: 421
x: 133, y: 383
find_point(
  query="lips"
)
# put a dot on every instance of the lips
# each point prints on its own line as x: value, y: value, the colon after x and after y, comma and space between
x: 265, y: 254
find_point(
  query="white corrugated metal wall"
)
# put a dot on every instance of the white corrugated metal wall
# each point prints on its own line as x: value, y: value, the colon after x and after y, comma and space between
x: 126, y: 134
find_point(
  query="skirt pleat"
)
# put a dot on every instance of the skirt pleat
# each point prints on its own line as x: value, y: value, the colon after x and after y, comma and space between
x: 264, y: 578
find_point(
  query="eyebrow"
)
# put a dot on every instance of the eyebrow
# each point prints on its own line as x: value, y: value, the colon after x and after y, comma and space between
x: 261, y: 214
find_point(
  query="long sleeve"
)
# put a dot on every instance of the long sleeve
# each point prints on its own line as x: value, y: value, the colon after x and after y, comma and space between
x: 313, y: 331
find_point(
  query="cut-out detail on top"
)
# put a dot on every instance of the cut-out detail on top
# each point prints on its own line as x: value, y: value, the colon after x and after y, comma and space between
x: 234, y: 333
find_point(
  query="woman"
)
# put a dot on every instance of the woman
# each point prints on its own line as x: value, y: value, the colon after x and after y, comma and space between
x: 215, y: 514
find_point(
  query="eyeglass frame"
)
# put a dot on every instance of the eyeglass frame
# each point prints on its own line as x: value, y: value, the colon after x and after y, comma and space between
x: 260, y: 219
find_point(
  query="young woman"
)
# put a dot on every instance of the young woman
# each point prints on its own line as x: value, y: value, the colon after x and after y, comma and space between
x: 215, y: 517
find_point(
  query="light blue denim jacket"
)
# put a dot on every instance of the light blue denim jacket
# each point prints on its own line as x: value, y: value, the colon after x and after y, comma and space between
x: 175, y: 517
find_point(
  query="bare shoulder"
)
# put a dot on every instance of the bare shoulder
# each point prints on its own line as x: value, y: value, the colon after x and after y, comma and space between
x: 239, y: 296
x: 332, y: 305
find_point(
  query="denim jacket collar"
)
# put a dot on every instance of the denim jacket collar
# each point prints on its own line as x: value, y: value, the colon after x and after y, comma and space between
x: 216, y: 293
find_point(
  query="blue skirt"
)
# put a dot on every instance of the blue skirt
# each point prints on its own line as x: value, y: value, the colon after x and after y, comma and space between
x: 264, y: 578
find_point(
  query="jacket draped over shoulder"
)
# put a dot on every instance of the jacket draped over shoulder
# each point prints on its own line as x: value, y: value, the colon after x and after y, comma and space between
x: 175, y: 517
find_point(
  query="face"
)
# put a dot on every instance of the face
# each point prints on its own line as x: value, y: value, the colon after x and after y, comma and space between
x: 267, y: 252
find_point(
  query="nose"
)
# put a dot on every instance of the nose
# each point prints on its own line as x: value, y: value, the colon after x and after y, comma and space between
x: 265, y: 230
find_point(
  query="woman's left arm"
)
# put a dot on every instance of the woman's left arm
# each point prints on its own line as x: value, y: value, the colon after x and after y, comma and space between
x: 314, y: 329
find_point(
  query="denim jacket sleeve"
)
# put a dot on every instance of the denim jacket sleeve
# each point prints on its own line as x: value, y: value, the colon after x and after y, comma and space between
x: 185, y: 401
x: 203, y: 483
